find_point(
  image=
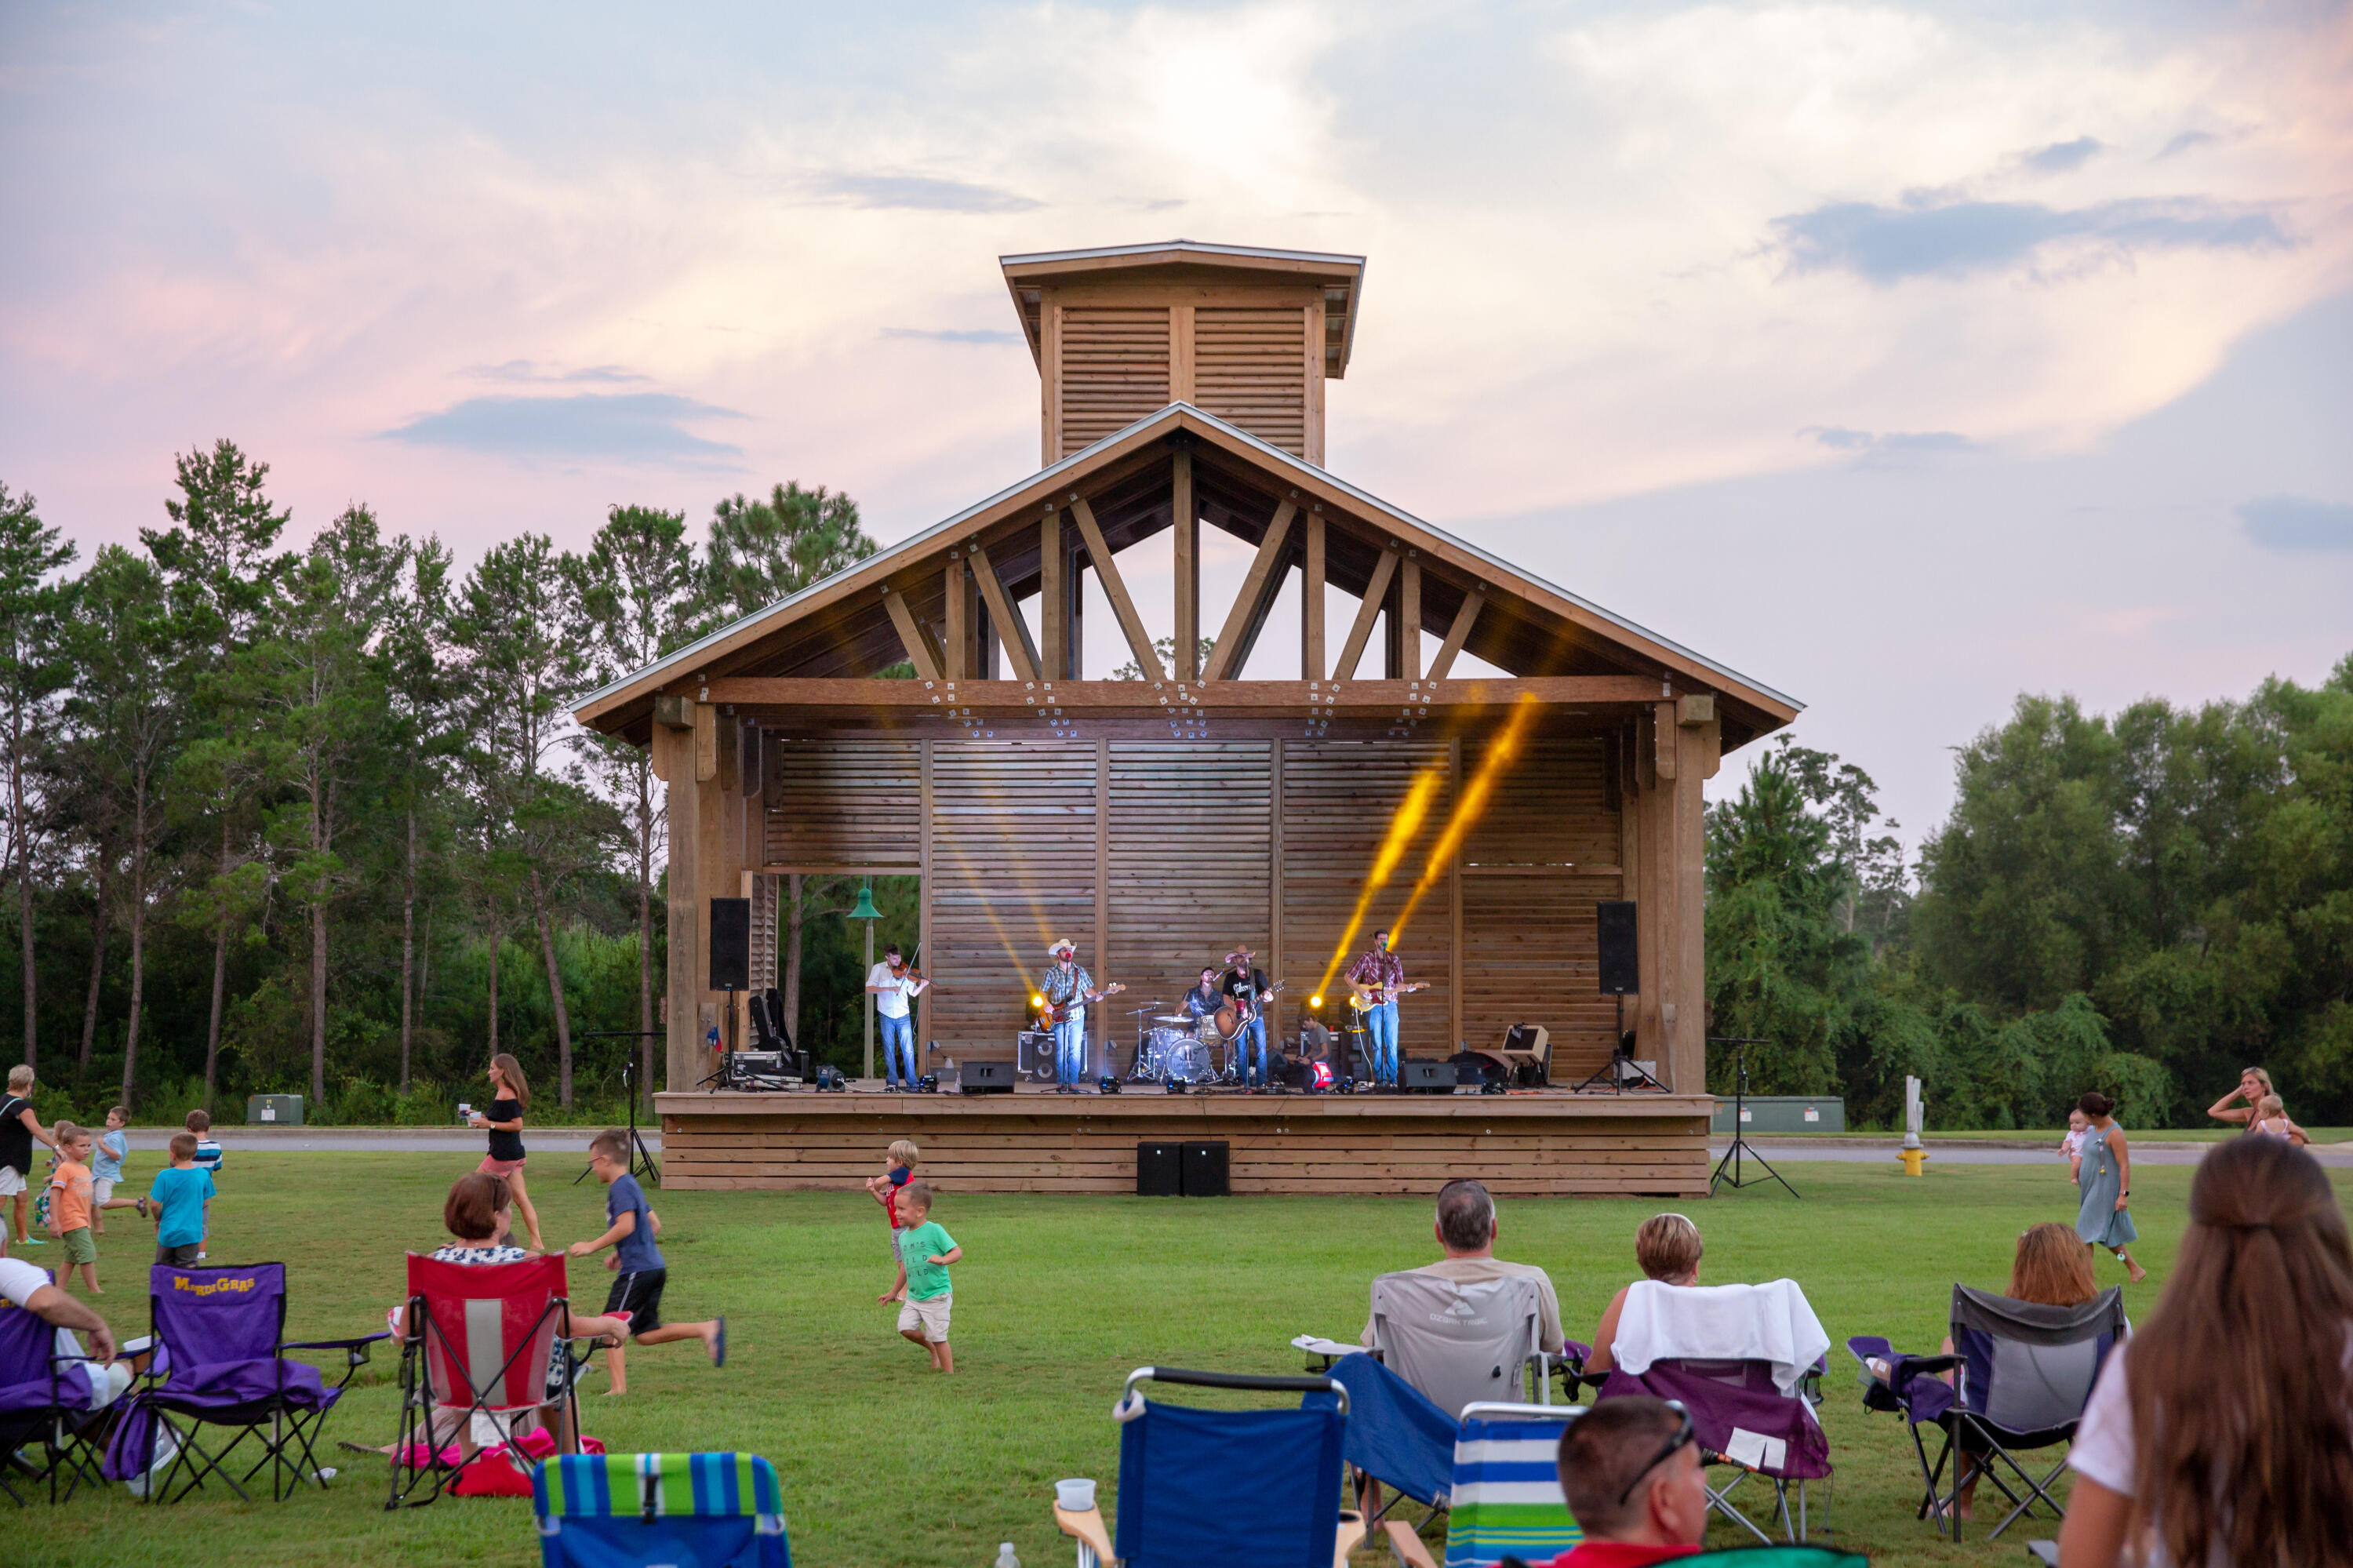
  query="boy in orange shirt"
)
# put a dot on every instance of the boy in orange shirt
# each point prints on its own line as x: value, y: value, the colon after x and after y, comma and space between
x: 69, y: 1204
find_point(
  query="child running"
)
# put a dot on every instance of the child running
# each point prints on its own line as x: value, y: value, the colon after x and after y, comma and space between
x: 181, y: 1201
x: 641, y: 1272
x: 886, y: 1189
x: 69, y: 1204
x: 208, y: 1160
x: 925, y: 1296
x: 107, y: 1153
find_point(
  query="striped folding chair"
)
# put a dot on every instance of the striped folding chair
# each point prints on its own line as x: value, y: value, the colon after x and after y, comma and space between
x: 693, y: 1510
x: 478, y: 1339
x: 1506, y: 1499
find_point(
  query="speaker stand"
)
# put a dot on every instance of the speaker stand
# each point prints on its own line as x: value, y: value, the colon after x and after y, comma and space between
x: 1621, y: 1065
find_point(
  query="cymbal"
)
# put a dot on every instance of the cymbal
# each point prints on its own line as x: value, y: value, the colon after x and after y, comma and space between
x: 1171, y: 1018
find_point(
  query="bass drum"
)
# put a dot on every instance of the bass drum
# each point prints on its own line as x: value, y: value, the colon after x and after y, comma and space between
x: 1189, y: 1062
x: 1160, y: 1045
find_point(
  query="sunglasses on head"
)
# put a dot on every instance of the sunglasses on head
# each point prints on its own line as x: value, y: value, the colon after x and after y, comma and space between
x: 1684, y: 1433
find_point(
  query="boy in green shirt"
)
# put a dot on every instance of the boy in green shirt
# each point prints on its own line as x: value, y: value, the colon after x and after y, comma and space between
x: 924, y: 1253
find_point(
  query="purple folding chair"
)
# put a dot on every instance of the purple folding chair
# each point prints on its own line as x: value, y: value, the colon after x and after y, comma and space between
x: 1744, y: 1421
x: 45, y: 1404
x: 220, y: 1362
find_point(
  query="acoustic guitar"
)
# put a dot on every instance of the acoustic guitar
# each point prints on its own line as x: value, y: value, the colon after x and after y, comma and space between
x: 1239, y: 1012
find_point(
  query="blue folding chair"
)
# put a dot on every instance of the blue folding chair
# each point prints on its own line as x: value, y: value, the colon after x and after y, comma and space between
x: 1197, y: 1486
x: 1395, y: 1438
x: 684, y: 1510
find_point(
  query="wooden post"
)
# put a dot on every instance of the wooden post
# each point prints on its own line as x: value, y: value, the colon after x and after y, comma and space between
x: 1188, y: 571
x: 1409, y: 618
x: 1103, y: 863
x: 1274, y: 881
x: 1180, y: 353
x: 719, y: 854
x: 1686, y: 1065
x: 955, y: 618
x: 1049, y: 379
x: 923, y: 900
x: 1315, y: 386
x: 1311, y: 604
x: 683, y: 1039
x: 1053, y: 605
x: 1454, y: 904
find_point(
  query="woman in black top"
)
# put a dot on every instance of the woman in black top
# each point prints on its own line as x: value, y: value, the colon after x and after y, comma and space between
x: 509, y: 1097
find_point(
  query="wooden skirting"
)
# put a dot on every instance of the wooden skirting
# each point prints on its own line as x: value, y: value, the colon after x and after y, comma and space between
x: 1552, y: 1144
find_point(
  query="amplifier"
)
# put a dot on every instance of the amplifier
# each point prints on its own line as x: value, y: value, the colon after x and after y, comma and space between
x: 987, y: 1078
x: 1033, y: 1053
x: 1426, y: 1077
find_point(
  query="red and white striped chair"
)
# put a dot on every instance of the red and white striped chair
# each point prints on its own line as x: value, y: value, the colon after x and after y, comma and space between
x: 478, y: 1339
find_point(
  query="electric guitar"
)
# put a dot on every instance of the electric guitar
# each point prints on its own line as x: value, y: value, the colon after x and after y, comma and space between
x: 1363, y: 1000
x: 1059, y: 1013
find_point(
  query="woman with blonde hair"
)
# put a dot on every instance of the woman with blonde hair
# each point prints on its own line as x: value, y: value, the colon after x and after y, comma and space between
x: 1668, y: 1248
x: 2254, y: 1085
x: 2223, y: 1431
x: 509, y: 1098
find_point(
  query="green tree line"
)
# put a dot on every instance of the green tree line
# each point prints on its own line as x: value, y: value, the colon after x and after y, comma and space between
x: 2142, y: 903
x: 316, y: 819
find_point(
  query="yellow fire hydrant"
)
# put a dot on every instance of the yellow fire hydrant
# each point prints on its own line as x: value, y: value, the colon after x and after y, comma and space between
x: 1912, y: 1159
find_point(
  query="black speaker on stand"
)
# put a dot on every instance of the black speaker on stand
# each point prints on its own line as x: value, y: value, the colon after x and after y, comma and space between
x: 1619, y: 955
x: 730, y: 965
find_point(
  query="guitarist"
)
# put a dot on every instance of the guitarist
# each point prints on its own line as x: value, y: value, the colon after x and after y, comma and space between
x: 1246, y: 992
x: 1377, y: 977
x: 1068, y: 989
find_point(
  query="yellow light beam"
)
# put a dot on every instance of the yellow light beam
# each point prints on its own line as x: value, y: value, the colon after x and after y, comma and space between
x: 1403, y: 825
x: 1502, y: 752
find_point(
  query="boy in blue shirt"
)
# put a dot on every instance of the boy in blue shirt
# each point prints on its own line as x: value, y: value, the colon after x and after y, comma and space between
x: 180, y: 1200
x: 924, y: 1253
x: 112, y: 1148
x: 640, y: 1271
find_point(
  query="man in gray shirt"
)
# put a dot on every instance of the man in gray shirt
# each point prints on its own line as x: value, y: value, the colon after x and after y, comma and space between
x: 1466, y: 1228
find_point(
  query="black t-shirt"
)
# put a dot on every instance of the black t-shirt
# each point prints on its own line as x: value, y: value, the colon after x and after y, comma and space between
x: 1243, y: 985
x: 505, y: 1145
x: 16, y: 1138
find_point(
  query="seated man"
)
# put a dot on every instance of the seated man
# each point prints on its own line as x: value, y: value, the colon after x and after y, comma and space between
x: 1466, y: 1228
x: 1629, y: 1469
x: 29, y: 1288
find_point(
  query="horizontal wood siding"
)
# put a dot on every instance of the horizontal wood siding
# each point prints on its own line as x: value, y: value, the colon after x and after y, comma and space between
x: 1115, y: 370
x: 1250, y: 367
x: 1013, y: 868
x: 1338, y: 799
x: 1190, y: 828
x: 844, y: 800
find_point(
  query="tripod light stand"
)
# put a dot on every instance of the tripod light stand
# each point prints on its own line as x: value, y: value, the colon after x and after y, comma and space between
x: 1732, y: 1156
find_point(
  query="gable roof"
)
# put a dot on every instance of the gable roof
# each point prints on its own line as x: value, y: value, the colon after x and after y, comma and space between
x: 1585, y: 627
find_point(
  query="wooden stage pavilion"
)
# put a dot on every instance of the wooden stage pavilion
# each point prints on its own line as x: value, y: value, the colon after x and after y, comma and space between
x: 1158, y: 822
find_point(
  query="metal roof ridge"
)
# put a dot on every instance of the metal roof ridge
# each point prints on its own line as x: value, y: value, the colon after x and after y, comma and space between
x: 1199, y: 247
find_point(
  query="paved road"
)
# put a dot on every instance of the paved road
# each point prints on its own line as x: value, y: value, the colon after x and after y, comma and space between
x: 575, y: 1141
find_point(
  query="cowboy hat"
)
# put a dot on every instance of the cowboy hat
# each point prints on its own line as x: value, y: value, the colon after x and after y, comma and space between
x: 1241, y: 953
x: 1064, y: 945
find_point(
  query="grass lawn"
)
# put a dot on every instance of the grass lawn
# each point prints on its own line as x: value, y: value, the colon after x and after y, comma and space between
x: 885, y: 1463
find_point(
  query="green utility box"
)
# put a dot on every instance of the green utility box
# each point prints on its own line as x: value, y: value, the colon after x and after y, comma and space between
x: 274, y: 1110
x: 1761, y: 1114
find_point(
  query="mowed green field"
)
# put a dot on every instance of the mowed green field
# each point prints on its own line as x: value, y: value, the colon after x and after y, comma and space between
x: 885, y: 1463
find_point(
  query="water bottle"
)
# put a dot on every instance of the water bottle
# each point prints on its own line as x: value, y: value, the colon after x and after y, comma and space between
x: 1005, y: 1558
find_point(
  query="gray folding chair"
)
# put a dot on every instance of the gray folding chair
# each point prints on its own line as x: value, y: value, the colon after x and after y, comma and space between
x: 1461, y: 1344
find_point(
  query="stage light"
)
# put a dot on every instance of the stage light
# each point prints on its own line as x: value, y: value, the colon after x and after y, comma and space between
x: 1037, y: 1001
x: 1315, y: 1001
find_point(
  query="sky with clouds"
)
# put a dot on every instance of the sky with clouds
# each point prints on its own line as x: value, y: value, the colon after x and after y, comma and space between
x: 1902, y: 357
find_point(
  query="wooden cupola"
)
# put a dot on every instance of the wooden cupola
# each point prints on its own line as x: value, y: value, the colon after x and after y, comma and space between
x: 1248, y: 335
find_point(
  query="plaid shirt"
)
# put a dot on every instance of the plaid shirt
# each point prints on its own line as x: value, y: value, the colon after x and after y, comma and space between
x: 1062, y: 985
x: 1378, y: 967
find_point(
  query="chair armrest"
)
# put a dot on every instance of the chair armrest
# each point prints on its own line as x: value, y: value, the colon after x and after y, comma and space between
x: 1905, y: 1368
x: 1087, y: 1528
x: 1408, y: 1546
x: 334, y: 1344
x: 1351, y: 1536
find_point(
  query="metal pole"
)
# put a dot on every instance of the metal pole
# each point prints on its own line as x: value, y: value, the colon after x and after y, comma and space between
x: 870, y: 999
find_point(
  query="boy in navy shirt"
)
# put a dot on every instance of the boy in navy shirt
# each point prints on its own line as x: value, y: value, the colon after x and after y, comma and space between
x: 636, y: 1262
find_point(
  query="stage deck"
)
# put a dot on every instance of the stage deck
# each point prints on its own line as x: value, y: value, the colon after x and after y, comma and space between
x: 1546, y: 1143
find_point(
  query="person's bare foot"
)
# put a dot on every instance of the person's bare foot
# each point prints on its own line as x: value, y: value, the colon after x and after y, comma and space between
x: 613, y: 1393
x: 714, y: 1341
x: 2138, y: 1273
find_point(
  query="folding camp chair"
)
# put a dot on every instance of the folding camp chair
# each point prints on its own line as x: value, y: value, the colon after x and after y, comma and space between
x: 49, y: 1395
x: 1507, y: 1498
x: 478, y: 1340
x: 2026, y: 1372
x: 1459, y: 1342
x: 1739, y: 1358
x: 1394, y: 1437
x: 220, y: 1362
x: 689, y: 1510
x: 1224, y: 1487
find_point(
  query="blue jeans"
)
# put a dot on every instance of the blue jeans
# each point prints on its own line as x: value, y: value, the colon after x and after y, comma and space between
x: 1070, y: 1047
x: 1248, y: 1053
x: 1381, y: 1037
x: 899, y: 1035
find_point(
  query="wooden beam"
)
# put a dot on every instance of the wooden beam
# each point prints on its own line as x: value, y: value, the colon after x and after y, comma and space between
x: 1361, y: 631
x: 1115, y: 589
x: 924, y: 885
x: 1231, y: 696
x: 923, y: 648
x: 1188, y: 567
x: 1004, y: 615
x: 1053, y: 604
x: 706, y: 743
x: 1311, y: 601
x: 1249, y: 604
x: 1102, y: 866
x: 1457, y: 634
x: 952, y: 622
x: 1409, y: 613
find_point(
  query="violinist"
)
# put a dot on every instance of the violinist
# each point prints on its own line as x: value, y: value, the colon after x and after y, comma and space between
x: 895, y: 984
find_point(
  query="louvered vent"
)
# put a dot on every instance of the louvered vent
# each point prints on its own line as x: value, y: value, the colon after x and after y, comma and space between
x: 1115, y: 370
x: 1250, y: 367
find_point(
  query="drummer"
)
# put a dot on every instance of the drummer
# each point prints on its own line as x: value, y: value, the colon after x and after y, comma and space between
x: 1204, y: 999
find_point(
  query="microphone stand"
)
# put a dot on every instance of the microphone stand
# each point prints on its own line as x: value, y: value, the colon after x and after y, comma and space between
x: 641, y: 1160
x: 1732, y: 1156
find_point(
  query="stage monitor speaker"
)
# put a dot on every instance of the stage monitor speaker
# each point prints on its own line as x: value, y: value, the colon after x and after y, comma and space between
x: 987, y: 1078
x: 1613, y: 928
x: 730, y: 944
x: 1159, y: 1170
x: 1426, y: 1077
x: 1208, y: 1169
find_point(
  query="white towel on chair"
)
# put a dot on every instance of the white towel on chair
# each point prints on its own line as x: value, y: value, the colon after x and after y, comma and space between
x: 1769, y: 1323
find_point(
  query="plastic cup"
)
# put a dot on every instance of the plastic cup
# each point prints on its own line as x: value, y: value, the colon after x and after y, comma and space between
x: 1076, y: 1496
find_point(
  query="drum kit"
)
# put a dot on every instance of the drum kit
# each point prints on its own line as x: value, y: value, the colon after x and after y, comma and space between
x: 1179, y: 1048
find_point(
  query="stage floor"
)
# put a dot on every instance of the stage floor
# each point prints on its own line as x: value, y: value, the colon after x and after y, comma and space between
x: 1541, y: 1143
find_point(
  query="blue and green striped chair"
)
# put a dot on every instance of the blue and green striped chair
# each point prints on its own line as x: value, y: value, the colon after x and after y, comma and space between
x: 695, y: 1510
x: 1506, y: 1499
